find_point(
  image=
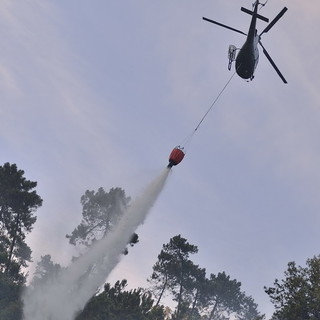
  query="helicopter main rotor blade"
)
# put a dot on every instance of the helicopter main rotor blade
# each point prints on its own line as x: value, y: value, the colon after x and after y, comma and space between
x: 274, y: 21
x: 223, y: 25
x: 272, y: 63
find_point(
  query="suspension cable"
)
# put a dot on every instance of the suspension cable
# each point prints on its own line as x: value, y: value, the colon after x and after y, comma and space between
x: 214, y: 102
x: 187, y: 140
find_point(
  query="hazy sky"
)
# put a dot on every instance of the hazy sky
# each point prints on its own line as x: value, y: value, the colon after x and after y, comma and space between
x: 96, y: 94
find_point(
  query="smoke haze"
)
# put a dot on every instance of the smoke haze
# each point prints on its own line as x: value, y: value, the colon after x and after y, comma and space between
x: 65, y: 295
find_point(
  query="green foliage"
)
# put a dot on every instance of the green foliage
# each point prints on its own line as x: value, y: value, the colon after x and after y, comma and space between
x: 170, y: 273
x: 249, y: 310
x: 10, y: 298
x: 18, y: 202
x: 45, y: 271
x: 100, y: 213
x: 223, y: 295
x: 17, y: 205
x: 115, y: 303
x: 297, y: 296
x: 197, y: 297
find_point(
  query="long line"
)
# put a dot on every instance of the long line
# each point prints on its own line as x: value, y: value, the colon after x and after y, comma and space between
x: 187, y: 139
x: 214, y: 102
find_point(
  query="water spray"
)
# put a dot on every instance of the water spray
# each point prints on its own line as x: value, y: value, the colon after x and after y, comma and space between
x: 62, y: 297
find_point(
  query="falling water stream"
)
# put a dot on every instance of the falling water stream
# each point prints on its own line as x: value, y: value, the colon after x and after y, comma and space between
x: 64, y: 296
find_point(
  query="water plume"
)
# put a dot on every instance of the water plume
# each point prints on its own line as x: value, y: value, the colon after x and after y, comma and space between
x: 65, y: 295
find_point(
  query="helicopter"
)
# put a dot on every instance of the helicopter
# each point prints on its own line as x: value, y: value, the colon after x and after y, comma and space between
x: 247, y: 58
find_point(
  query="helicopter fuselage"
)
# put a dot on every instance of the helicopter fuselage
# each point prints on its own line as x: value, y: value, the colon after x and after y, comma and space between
x: 247, y: 59
x: 248, y: 56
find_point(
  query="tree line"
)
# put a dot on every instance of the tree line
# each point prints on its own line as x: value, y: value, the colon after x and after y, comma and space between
x: 195, y: 294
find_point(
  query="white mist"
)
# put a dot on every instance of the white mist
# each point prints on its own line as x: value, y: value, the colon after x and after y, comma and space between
x: 68, y: 293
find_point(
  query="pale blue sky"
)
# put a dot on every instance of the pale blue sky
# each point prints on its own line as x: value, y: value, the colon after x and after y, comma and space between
x: 98, y: 93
